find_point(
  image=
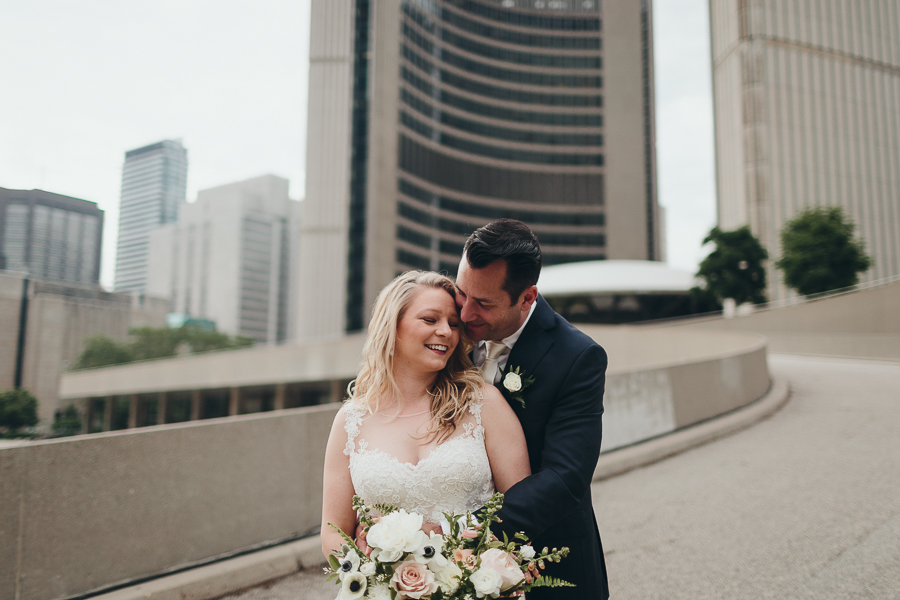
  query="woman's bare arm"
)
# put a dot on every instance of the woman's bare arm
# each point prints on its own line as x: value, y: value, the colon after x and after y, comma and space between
x: 337, y: 489
x: 504, y: 440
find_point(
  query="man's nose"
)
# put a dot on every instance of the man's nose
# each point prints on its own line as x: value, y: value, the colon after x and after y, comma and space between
x: 465, y: 311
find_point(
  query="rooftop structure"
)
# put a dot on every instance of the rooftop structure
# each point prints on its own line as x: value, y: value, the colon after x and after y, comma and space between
x: 617, y: 291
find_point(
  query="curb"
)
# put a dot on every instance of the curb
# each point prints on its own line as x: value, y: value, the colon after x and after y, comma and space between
x: 232, y: 575
x: 642, y: 454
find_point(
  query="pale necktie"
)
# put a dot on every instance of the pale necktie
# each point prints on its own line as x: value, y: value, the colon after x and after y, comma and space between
x: 490, y: 366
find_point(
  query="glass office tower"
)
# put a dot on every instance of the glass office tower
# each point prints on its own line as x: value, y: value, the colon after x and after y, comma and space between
x: 452, y: 113
x: 154, y: 182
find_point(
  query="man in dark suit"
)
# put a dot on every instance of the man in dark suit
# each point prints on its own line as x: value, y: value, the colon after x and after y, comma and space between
x: 560, y: 409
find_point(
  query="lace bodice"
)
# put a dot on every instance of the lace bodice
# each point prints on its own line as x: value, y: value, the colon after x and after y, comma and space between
x: 455, y: 477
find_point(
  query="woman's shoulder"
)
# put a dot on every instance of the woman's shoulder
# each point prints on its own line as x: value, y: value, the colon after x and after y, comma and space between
x: 488, y: 394
x: 348, y: 414
x: 493, y: 405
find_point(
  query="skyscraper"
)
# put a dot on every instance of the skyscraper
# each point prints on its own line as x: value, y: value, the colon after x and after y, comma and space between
x: 429, y: 118
x: 228, y: 258
x: 154, y: 181
x: 807, y: 113
x: 50, y: 236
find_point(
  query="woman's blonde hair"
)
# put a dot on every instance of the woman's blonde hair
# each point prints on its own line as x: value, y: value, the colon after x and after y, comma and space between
x: 456, y: 385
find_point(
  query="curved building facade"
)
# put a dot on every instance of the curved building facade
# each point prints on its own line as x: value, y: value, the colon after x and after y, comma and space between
x: 463, y: 111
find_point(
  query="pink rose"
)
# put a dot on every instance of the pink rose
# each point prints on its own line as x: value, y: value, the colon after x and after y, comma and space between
x: 413, y: 580
x: 465, y: 557
x: 469, y: 534
x: 505, y: 565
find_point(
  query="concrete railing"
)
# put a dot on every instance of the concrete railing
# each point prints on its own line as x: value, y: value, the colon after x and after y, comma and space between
x: 862, y: 323
x: 90, y: 512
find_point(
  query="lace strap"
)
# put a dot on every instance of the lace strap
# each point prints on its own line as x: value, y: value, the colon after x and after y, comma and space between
x: 475, y: 407
x: 352, y: 419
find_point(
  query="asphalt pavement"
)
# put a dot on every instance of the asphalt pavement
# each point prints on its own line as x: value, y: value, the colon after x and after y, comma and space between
x: 805, y: 504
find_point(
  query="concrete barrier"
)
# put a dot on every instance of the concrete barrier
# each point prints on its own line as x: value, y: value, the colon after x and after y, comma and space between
x: 88, y: 513
x: 861, y: 323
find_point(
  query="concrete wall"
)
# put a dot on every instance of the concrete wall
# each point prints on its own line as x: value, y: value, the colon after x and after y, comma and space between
x: 661, y: 381
x: 91, y: 511
x: 863, y: 324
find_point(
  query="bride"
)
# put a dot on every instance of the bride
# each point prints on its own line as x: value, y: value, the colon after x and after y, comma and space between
x: 420, y: 430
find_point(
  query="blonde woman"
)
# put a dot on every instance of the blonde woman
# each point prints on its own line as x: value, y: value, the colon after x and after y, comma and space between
x: 420, y: 430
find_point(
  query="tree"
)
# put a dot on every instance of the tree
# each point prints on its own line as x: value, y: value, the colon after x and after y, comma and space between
x: 819, y: 253
x: 734, y: 269
x: 18, y: 408
x: 149, y: 342
x: 100, y: 351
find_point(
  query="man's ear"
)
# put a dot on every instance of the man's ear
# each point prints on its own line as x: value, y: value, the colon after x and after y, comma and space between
x: 529, y: 297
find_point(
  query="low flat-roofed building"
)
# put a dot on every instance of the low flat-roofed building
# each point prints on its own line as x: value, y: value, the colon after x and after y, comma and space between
x: 44, y: 324
x: 617, y: 291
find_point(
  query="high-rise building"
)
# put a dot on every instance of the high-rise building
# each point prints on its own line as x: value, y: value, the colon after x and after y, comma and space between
x: 807, y: 113
x: 154, y: 182
x: 429, y: 118
x: 50, y: 236
x: 227, y: 258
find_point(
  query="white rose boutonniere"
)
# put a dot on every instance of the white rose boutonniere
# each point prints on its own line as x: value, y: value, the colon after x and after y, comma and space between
x: 515, y: 383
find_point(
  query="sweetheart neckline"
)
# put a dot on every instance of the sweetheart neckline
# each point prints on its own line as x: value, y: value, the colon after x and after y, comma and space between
x: 404, y: 463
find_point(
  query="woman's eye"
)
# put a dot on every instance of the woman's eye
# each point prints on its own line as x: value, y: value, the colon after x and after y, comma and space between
x: 454, y: 324
x: 427, y: 320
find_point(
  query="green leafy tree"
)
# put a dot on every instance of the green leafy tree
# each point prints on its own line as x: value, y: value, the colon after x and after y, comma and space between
x: 734, y: 269
x: 149, y: 342
x: 67, y: 422
x: 100, y: 351
x: 819, y: 252
x: 18, y: 408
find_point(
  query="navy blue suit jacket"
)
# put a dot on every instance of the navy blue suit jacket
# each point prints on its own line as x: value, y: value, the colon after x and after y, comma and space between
x: 562, y: 424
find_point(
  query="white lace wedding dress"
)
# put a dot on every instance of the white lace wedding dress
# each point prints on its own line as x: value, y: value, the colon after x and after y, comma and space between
x: 455, y: 477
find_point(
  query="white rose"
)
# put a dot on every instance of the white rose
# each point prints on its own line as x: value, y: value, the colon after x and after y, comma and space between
x: 367, y: 569
x: 448, y: 578
x: 526, y: 552
x: 487, y: 582
x: 394, y: 534
x: 512, y: 382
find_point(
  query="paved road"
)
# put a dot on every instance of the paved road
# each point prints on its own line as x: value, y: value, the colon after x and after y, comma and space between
x: 803, y: 505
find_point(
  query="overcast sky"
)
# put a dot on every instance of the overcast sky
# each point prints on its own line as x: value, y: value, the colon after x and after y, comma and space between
x: 82, y: 82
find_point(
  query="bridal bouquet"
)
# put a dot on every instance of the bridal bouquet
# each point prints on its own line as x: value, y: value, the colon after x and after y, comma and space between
x: 465, y: 563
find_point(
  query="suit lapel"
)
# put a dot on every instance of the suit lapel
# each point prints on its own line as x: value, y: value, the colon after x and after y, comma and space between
x: 532, y: 345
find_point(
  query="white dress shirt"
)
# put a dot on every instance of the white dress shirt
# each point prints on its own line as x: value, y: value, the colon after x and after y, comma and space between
x: 479, y: 353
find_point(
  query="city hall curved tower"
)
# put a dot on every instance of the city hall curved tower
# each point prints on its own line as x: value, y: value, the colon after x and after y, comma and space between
x: 429, y: 118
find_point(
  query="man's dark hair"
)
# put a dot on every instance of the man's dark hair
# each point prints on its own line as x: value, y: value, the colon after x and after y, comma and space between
x: 512, y: 241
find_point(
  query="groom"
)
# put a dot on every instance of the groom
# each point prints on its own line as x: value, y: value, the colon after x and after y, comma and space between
x: 515, y: 329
